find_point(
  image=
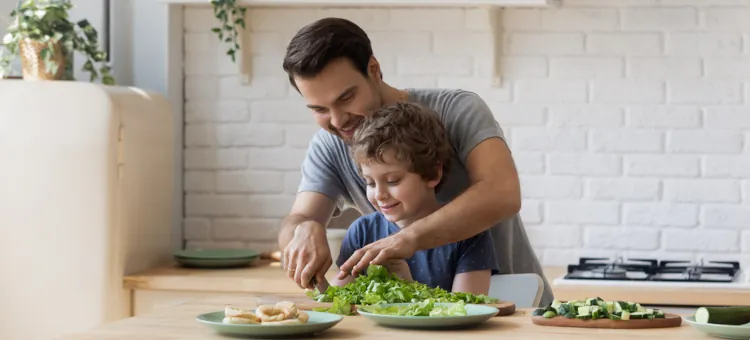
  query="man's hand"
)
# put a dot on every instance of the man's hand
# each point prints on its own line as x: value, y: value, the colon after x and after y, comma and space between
x: 397, y: 246
x: 307, y: 255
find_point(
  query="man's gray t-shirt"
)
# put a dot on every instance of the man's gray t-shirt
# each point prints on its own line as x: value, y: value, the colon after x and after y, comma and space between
x: 329, y: 169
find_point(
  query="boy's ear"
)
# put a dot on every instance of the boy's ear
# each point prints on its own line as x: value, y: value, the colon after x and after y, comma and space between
x: 438, y: 176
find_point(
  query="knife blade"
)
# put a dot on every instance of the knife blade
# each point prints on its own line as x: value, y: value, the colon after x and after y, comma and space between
x: 320, y: 286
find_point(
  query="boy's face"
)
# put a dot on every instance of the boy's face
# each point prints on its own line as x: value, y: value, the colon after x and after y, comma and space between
x: 340, y: 96
x: 401, y: 196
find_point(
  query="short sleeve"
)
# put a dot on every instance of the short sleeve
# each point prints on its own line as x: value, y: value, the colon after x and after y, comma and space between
x: 477, y: 253
x: 353, y: 240
x: 469, y: 121
x: 319, y: 171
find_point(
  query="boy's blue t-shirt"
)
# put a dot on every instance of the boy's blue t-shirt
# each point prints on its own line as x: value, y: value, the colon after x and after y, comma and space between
x: 434, y: 267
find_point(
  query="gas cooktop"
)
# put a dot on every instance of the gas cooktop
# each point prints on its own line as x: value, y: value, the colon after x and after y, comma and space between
x: 590, y: 268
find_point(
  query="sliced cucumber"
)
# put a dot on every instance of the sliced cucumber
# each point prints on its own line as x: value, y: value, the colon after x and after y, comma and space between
x: 598, y: 308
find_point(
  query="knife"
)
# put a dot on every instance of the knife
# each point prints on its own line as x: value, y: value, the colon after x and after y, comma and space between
x: 320, y: 286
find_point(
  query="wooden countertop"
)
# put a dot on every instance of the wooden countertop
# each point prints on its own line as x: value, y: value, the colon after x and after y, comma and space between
x: 262, y: 277
x: 178, y: 322
x: 267, y: 277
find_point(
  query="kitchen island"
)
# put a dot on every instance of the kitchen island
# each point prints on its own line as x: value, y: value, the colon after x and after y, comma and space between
x: 178, y: 322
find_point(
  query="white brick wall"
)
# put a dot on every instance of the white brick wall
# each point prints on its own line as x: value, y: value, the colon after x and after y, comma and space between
x: 629, y: 123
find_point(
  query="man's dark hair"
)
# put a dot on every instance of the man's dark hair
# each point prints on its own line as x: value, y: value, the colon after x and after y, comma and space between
x: 317, y: 44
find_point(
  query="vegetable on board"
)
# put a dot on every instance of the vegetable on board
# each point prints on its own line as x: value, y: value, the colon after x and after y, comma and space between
x: 597, y: 308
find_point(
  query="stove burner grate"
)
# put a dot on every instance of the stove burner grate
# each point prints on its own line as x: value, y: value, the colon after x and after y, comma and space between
x: 595, y: 268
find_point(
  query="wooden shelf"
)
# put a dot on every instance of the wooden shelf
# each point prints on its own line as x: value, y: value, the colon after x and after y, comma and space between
x: 491, y: 6
x: 379, y: 3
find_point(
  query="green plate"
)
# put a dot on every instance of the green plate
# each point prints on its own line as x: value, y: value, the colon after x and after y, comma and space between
x: 216, y: 254
x: 741, y: 332
x: 317, y: 322
x: 215, y: 264
x: 475, y: 314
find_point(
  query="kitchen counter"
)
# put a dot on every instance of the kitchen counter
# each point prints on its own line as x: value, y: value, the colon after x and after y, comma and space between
x: 267, y: 277
x: 178, y: 322
x: 262, y: 276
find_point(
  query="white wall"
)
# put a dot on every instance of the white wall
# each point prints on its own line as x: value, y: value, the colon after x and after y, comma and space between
x: 5, y: 7
x: 630, y: 124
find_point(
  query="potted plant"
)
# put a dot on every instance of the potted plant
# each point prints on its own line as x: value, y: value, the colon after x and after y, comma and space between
x: 45, y: 40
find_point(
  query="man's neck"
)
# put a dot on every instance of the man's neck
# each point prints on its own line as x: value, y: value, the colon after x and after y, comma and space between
x: 392, y: 95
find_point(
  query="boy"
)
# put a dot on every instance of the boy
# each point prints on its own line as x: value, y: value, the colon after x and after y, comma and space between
x: 402, y: 153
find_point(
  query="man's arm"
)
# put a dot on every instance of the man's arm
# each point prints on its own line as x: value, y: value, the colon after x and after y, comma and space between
x: 308, y: 206
x: 494, y: 194
x: 306, y: 253
x: 302, y: 237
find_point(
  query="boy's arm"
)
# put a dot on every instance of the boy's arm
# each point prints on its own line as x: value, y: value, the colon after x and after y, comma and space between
x: 343, y: 282
x: 476, y: 264
x: 476, y: 282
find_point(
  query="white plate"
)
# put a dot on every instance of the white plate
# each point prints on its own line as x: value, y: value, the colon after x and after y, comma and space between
x: 318, y: 322
x: 740, y: 332
x: 475, y: 314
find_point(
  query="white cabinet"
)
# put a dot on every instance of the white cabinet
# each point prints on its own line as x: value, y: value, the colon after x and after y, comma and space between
x: 86, y: 197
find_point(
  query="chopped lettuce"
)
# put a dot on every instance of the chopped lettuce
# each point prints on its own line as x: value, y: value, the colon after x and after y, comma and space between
x: 424, y: 308
x: 378, y: 287
x: 340, y: 306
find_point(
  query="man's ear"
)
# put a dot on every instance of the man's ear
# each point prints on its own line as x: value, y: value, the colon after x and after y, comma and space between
x: 373, y: 68
x: 438, y: 176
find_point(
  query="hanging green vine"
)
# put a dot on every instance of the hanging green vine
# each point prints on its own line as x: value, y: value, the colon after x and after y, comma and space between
x: 230, y: 17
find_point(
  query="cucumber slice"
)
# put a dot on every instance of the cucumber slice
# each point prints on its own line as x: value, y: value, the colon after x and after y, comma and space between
x: 618, y: 307
x: 555, y: 304
x: 736, y: 315
x: 637, y: 315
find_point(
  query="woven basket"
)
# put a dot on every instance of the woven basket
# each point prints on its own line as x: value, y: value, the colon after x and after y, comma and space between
x: 32, y: 62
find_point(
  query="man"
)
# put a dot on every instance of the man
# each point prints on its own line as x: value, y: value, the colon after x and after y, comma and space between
x: 331, y: 63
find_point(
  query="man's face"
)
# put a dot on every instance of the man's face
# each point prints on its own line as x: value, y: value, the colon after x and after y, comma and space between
x: 340, y: 96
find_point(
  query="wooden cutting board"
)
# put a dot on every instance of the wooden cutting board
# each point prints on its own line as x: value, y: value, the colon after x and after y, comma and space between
x: 305, y: 303
x: 669, y: 320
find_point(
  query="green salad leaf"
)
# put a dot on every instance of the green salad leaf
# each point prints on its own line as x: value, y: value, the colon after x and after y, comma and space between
x: 340, y: 306
x: 378, y: 287
x: 423, y: 308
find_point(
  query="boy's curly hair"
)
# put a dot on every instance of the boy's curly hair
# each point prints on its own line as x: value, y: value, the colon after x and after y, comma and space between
x: 414, y: 134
